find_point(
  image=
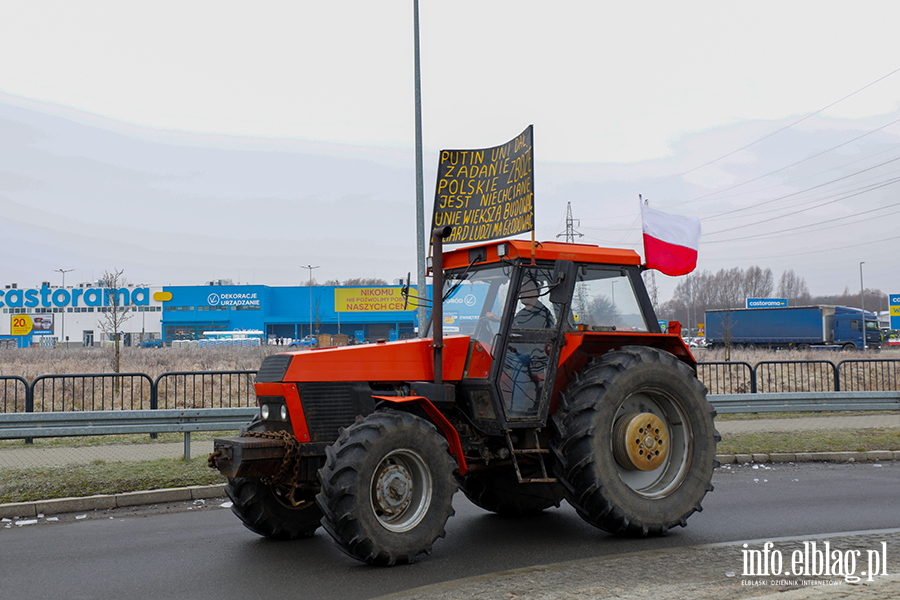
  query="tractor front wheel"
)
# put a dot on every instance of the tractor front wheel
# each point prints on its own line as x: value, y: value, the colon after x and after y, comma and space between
x: 267, y: 511
x: 387, y: 488
x: 272, y: 511
x: 635, y: 443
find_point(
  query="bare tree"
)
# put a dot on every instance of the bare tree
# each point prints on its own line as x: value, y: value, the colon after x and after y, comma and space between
x: 793, y: 287
x: 318, y: 316
x: 730, y: 288
x: 115, y: 311
x: 365, y: 281
x: 758, y: 283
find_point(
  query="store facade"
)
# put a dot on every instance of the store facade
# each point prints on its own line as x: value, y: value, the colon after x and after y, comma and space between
x: 79, y: 316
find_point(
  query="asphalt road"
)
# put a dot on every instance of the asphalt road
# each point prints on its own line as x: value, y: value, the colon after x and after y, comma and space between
x: 206, y: 553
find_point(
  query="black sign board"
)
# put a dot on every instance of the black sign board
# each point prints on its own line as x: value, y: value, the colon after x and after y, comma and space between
x: 486, y: 194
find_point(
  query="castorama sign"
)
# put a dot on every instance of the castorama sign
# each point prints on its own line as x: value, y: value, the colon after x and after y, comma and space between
x: 766, y: 302
x: 46, y: 297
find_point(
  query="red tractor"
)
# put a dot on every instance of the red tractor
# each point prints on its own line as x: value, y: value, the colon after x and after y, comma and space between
x: 553, y: 381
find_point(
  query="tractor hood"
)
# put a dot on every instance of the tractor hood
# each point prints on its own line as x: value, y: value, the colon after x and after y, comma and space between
x: 405, y: 360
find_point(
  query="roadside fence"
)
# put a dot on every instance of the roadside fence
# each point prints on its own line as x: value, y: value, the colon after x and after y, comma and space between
x: 127, y: 391
x: 234, y: 389
x: 788, y: 376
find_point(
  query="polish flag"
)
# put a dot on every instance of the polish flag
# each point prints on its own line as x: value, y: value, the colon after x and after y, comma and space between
x: 670, y: 241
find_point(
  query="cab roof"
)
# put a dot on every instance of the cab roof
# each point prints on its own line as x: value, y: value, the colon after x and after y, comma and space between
x: 550, y: 251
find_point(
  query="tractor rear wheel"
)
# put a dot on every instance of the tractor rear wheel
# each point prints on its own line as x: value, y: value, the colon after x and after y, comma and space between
x: 499, y: 491
x: 635, y: 443
x: 387, y: 488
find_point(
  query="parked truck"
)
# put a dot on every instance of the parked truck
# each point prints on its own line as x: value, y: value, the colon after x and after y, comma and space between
x: 799, y: 327
x: 554, y: 381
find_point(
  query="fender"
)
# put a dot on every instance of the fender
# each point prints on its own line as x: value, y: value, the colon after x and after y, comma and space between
x: 439, y: 419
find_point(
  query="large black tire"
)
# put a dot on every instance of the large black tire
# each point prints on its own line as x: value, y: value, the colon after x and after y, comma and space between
x: 387, y: 488
x: 499, y: 491
x: 265, y: 511
x: 634, y: 385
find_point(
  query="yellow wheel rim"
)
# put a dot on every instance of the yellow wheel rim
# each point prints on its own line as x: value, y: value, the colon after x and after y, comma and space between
x: 640, y: 441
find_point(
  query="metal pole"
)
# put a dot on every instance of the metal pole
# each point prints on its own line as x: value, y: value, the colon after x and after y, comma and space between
x: 62, y: 336
x: 862, y: 305
x: 421, y: 284
x: 310, y: 267
x: 437, y: 241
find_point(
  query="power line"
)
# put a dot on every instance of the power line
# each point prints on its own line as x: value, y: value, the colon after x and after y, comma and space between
x: 822, y: 251
x: 845, y: 197
x: 772, y: 233
x: 794, y: 164
x: 776, y: 199
x: 805, y: 177
x: 765, y: 137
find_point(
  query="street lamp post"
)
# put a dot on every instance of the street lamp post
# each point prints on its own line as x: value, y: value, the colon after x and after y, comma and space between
x: 310, y: 267
x: 62, y: 335
x: 862, y: 305
x: 421, y: 271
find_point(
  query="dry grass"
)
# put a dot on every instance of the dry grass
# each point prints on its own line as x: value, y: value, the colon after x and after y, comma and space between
x: 840, y: 440
x: 755, y: 356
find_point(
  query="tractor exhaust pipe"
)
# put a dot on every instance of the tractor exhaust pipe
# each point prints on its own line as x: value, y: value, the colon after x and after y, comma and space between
x: 437, y: 311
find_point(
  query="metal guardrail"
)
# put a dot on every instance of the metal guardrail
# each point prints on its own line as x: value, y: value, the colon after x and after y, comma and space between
x: 805, y: 402
x: 123, y: 422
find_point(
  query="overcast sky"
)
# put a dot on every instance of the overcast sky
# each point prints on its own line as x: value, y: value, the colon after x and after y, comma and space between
x: 190, y: 141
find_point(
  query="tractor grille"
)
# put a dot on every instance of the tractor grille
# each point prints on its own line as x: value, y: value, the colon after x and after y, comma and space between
x: 273, y: 368
x: 328, y: 407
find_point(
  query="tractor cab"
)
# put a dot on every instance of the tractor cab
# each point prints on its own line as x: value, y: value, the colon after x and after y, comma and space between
x: 521, y: 314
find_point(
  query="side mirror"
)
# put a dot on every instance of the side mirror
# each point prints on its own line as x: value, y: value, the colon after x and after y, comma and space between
x: 563, y: 281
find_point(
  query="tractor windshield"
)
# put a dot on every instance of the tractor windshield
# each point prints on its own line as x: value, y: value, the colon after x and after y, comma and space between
x: 474, y: 301
x: 604, y: 299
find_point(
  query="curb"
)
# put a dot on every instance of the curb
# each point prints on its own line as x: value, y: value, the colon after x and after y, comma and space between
x: 782, y: 457
x: 104, y: 501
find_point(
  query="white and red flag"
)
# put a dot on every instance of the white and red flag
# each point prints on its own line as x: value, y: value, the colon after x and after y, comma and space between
x: 670, y: 241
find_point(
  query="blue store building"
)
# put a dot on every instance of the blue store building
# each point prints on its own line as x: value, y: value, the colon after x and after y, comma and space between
x: 364, y: 313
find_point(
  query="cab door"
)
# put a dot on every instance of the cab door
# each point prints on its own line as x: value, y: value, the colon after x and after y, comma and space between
x: 530, y: 354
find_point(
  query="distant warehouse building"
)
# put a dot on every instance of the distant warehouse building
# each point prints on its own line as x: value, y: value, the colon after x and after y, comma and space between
x: 78, y: 315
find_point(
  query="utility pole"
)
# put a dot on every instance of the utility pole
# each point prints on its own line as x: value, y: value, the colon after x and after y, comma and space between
x: 310, y: 267
x: 571, y: 224
x: 862, y: 305
x: 421, y: 284
x: 62, y: 336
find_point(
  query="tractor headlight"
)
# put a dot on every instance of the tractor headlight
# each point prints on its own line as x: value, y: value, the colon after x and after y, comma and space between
x: 284, y: 413
x: 264, y: 412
